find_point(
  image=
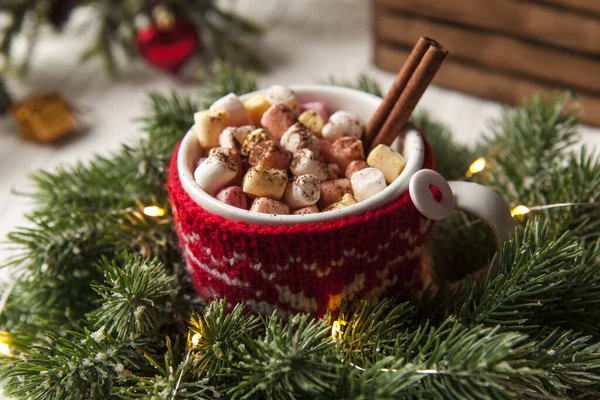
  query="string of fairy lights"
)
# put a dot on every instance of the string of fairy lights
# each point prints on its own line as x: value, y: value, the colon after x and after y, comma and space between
x: 337, y: 326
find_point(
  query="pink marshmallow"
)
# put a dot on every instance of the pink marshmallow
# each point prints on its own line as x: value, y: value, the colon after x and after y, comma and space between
x: 332, y: 191
x: 312, y: 209
x: 266, y: 205
x: 317, y: 106
x: 234, y: 196
x: 325, y: 151
x: 277, y: 119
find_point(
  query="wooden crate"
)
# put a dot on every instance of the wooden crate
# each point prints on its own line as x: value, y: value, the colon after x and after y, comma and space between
x: 505, y: 50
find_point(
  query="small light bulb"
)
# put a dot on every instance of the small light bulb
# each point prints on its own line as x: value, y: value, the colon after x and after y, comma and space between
x: 4, y: 349
x: 154, y: 211
x: 336, y: 330
x: 196, y: 339
x: 476, y: 166
x: 519, y: 210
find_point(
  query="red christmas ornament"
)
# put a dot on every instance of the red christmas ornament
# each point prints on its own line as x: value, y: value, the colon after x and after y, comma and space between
x: 168, y: 49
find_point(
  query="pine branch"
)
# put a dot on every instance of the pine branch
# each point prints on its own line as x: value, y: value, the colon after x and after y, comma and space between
x: 528, y: 141
x: 86, y: 367
x: 571, y: 364
x: 135, y: 297
x: 217, y: 336
x: 175, y: 379
x: 451, y: 362
x: 292, y: 360
x: 224, y: 36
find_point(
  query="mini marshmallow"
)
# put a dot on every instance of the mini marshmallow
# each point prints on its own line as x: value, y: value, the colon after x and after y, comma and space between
x: 254, y: 138
x: 232, y: 137
x: 390, y: 162
x: 317, y: 106
x: 277, y: 119
x: 332, y: 191
x: 346, y: 201
x: 306, y: 162
x: 302, y: 191
x: 238, y: 115
x: 208, y: 126
x: 333, y: 171
x: 270, y: 154
x: 343, y: 123
x: 312, y: 120
x: 215, y: 173
x: 325, y: 151
x: 256, y: 106
x: 236, y: 157
x: 234, y: 196
x: 345, y: 150
x: 300, y: 137
x: 367, y: 183
x: 279, y: 94
x: 266, y: 205
x: 307, y: 210
x: 265, y: 182
x: 355, y: 166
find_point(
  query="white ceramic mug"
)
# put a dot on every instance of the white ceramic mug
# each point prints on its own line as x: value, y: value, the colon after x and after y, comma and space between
x: 472, y: 198
x: 310, y: 263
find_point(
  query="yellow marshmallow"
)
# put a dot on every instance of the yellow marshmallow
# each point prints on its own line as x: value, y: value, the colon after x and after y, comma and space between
x: 265, y: 182
x: 255, y: 137
x: 344, y: 202
x: 388, y: 161
x: 256, y: 106
x: 208, y: 126
x: 313, y: 121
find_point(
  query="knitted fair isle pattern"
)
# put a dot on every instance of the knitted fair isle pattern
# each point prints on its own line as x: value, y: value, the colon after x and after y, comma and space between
x: 301, y: 268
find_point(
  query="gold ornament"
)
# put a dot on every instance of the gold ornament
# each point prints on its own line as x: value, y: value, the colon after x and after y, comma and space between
x: 44, y: 117
x: 163, y: 18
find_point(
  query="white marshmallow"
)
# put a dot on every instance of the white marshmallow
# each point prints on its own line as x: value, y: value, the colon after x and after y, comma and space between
x: 302, y: 191
x: 299, y: 137
x: 367, y: 183
x: 235, y: 109
x: 232, y: 137
x: 342, y: 123
x: 215, y: 173
x: 307, y: 162
x: 279, y: 94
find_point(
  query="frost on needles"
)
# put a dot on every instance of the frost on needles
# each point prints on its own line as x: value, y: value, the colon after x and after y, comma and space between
x: 103, y: 308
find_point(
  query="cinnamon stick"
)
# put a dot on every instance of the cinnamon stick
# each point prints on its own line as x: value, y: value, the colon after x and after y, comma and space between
x: 410, y: 96
x: 391, y: 97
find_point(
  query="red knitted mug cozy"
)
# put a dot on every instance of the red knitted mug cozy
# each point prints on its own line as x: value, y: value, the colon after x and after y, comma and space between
x: 305, y: 267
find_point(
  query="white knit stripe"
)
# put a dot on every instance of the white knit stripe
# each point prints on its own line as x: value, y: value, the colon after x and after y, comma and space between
x: 356, y: 286
x: 221, y: 276
x: 227, y: 262
x: 377, y: 291
x: 296, y: 300
x: 189, y: 238
x: 262, y: 307
x: 410, y: 255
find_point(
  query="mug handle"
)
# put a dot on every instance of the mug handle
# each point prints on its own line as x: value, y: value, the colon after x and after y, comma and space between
x: 470, y: 197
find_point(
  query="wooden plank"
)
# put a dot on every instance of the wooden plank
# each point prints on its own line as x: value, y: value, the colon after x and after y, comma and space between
x: 522, y: 19
x: 592, y: 6
x: 494, y: 50
x: 488, y: 84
